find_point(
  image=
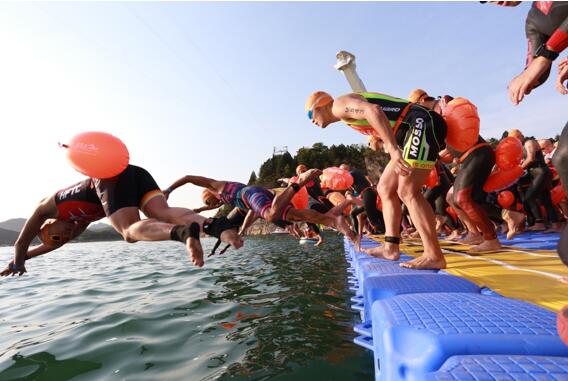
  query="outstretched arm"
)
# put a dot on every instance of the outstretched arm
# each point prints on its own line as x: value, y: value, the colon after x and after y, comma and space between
x: 207, y: 207
x: 249, y: 219
x: 45, y: 210
x: 200, y: 181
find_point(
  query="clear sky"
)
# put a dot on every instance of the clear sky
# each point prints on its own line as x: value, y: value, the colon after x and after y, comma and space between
x: 210, y: 88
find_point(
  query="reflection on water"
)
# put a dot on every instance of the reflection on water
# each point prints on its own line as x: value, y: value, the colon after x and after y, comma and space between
x: 274, y: 310
x: 44, y: 366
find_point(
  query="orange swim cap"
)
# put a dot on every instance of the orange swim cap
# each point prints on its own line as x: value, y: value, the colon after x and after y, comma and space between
x: 516, y: 134
x: 56, y: 232
x: 417, y: 95
x: 317, y: 99
x: 209, y: 197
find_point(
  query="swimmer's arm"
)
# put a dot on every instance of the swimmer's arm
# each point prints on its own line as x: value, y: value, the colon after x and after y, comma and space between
x: 207, y: 207
x: 249, y: 219
x: 44, y: 249
x: 200, y: 181
x: 355, y: 107
x: 529, y: 147
x: 320, y: 240
x: 45, y: 210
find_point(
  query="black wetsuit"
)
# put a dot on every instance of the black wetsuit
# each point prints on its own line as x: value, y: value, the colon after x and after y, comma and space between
x: 546, y: 23
x: 469, y: 195
x: 539, y: 190
x: 560, y: 160
x: 133, y: 187
x: 368, y: 194
x: 436, y: 195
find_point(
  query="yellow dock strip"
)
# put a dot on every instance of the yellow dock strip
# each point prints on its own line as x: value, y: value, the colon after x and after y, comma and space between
x: 530, y: 275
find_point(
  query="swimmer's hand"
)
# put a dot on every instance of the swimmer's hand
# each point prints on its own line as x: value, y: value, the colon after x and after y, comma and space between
x: 401, y: 167
x: 12, y: 269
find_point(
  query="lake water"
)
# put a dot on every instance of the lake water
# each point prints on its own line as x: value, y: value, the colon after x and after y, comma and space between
x: 273, y: 310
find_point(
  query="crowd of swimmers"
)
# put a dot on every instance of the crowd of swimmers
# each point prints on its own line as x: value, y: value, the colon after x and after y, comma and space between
x: 412, y: 131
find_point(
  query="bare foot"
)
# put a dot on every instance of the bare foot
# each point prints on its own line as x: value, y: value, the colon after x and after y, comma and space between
x: 472, y: 239
x: 537, y: 227
x: 564, y: 279
x: 424, y: 262
x: 307, y: 176
x: 489, y: 245
x: 455, y: 235
x: 512, y: 232
x: 388, y: 251
x: 407, y: 232
x: 194, y: 248
x: 555, y: 228
x: 415, y: 235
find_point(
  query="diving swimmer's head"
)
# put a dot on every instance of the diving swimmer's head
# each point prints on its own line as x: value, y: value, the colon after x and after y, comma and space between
x: 418, y: 95
x: 517, y: 134
x: 209, y: 197
x: 315, y: 101
x: 301, y: 169
x: 56, y: 232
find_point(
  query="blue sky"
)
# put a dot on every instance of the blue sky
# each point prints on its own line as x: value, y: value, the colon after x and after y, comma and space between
x: 210, y: 88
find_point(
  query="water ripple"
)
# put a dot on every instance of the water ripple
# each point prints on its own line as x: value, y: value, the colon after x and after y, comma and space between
x: 114, y: 311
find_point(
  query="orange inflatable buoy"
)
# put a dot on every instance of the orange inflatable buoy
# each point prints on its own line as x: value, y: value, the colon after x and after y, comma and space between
x: 509, y: 153
x: 500, y: 179
x: 505, y: 199
x: 300, y: 199
x: 335, y: 178
x: 463, y: 124
x: 557, y: 194
x: 432, y: 180
x: 97, y: 154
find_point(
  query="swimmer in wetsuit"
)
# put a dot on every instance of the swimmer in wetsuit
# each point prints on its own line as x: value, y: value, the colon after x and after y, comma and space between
x: 412, y: 136
x: 262, y: 203
x: 540, y: 184
x: 56, y: 220
x: 363, y: 187
x: 560, y: 160
x: 135, y: 189
x: 475, y: 165
x: 546, y: 29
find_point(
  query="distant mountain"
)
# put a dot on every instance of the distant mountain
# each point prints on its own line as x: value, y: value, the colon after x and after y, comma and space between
x: 14, y: 224
x: 7, y: 237
x: 10, y: 229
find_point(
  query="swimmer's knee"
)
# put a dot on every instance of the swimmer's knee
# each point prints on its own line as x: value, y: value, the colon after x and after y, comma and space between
x: 127, y: 236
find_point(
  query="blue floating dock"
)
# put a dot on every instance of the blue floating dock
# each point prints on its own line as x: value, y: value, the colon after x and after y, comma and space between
x: 502, y: 368
x: 415, y: 334
x: 430, y: 325
x: 532, y: 240
x: 384, y: 287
